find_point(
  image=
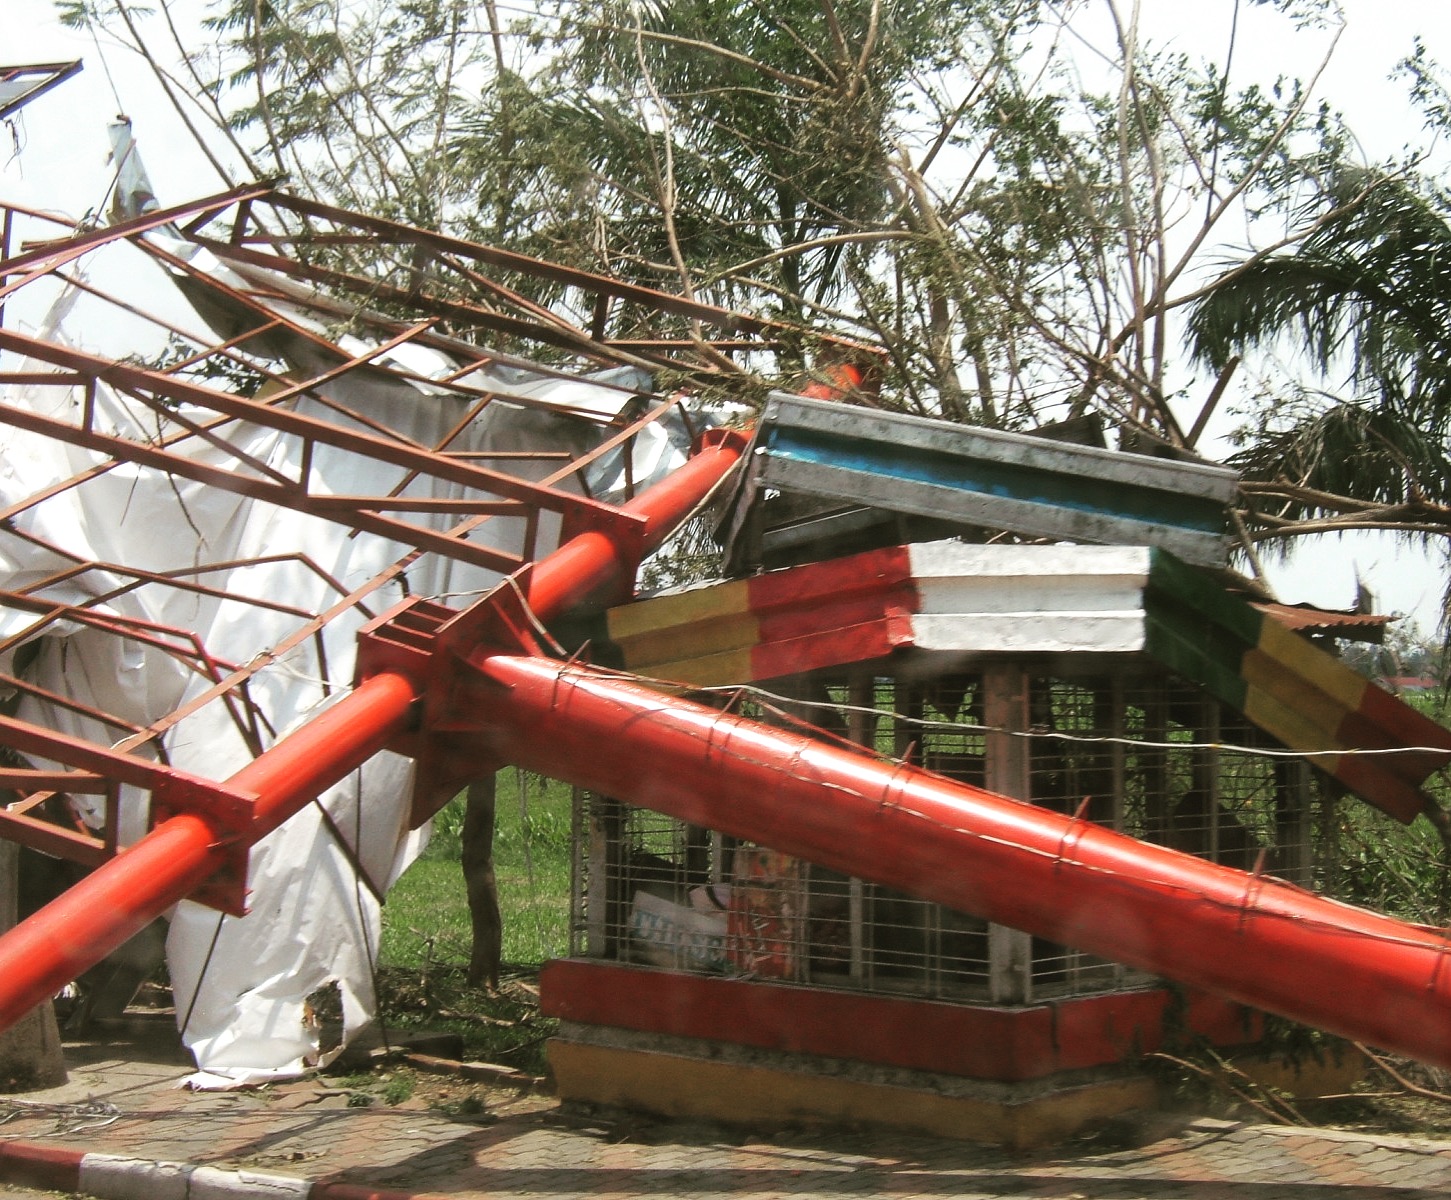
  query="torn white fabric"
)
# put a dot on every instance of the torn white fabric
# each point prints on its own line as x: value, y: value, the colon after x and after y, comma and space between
x: 132, y: 196
x: 243, y: 986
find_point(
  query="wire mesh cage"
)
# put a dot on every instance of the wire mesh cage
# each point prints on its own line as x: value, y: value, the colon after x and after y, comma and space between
x: 1127, y: 747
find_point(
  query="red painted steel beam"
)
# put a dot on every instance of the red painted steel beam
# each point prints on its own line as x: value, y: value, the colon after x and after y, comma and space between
x: 120, y: 898
x: 49, y: 949
x: 51, y: 256
x: 1249, y: 938
x: 146, y: 383
x: 593, y: 563
x: 1253, y: 939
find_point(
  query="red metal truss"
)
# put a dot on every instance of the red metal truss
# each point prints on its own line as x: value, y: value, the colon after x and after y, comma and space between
x: 1242, y: 935
x: 210, y: 388
x: 594, y: 294
x: 168, y: 388
x: 19, y: 85
x: 199, y: 843
x: 426, y: 273
x: 497, y: 494
x: 43, y: 258
x: 464, y: 690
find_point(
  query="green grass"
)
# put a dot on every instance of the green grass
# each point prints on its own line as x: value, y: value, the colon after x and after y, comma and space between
x: 424, y: 956
x: 426, y: 918
x: 1372, y: 860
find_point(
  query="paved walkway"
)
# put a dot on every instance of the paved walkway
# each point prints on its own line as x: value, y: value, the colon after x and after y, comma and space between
x: 302, y: 1139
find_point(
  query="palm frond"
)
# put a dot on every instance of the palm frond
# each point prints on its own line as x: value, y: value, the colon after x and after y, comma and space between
x: 1368, y: 289
x: 1367, y: 451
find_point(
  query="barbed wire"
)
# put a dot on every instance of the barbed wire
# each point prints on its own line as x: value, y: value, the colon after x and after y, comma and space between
x: 1034, y: 732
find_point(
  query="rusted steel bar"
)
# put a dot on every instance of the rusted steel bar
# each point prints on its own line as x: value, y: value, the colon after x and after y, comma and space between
x: 141, y: 381
x: 42, y: 260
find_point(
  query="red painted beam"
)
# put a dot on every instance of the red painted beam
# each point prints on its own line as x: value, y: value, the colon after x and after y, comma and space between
x: 1255, y: 940
x: 55, y: 945
x: 47, y: 950
x: 592, y: 563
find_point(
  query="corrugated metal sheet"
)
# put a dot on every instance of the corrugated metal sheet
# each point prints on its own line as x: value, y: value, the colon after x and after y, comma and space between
x: 1303, y: 618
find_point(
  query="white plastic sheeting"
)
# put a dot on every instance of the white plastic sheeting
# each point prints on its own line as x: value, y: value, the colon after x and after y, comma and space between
x: 241, y: 986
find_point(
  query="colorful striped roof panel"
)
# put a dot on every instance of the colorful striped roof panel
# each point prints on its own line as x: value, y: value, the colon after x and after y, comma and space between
x: 959, y: 598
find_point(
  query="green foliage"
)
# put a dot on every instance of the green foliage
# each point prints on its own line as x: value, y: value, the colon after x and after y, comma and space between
x: 366, y: 1088
x: 947, y: 180
x: 426, y: 920
x: 1364, y: 296
x: 763, y: 127
x: 1369, y: 859
x: 1364, y: 449
x: 354, y: 100
x: 423, y: 961
x: 397, y: 1088
x: 1367, y: 290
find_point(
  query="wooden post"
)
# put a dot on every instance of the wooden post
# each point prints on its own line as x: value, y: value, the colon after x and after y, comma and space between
x: 1005, y: 711
x: 605, y: 908
x: 477, y: 862
x: 862, y: 729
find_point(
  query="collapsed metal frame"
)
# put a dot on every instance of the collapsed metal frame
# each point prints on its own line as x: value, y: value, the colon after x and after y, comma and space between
x: 279, y: 252
x: 466, y: 691
x: 20, y: 84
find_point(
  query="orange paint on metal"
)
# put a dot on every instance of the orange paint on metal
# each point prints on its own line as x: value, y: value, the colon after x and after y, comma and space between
x: 1252, y: 939
x: 55, y: 945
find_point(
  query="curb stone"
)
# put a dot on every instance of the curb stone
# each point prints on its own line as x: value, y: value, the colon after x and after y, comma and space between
x: 1402, y: 1145
x: 117, y: 1177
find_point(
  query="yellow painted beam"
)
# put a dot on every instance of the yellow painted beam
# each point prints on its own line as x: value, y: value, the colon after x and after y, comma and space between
x: 674, y: 1085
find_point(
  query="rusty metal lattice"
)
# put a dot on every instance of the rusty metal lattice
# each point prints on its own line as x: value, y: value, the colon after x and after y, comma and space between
x: 251, y: 335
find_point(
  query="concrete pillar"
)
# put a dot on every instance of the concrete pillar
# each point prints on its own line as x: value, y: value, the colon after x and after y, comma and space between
x: 30, y: 1051
x: 1005, y: 706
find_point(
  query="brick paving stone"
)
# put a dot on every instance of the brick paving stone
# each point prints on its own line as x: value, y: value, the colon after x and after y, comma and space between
x: 536, y: 1153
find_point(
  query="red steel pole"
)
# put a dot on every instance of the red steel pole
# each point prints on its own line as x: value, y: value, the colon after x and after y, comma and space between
x: 46, y: 951
x: 592, y: 562
x: 1253, y: 939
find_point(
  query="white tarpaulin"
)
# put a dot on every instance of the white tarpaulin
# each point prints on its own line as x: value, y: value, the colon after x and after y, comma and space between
x: 242, y: 986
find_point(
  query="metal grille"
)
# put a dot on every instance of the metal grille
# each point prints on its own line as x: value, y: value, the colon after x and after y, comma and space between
x: 1137, y: 752
x: 653, y: 890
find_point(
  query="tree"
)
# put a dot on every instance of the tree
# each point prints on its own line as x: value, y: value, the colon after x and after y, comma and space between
x: 1366, y: 296
x: 1013, y: 218
x: 1008, y: 213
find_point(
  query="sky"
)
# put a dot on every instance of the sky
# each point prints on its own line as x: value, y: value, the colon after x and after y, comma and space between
x: 54, y: 157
